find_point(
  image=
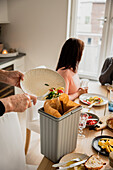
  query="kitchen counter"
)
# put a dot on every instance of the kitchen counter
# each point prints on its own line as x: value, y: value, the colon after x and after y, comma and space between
x: 4, y: 60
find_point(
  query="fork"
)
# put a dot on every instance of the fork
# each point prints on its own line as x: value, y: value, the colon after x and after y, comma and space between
x: 91, y: 105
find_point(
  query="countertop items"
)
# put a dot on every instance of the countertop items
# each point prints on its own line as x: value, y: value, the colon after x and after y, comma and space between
x: 7, y: 59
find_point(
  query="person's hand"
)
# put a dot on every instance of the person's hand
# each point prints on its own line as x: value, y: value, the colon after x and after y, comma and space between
x: 19, y: 102
x: 82, y: 91
x: 12, y: 77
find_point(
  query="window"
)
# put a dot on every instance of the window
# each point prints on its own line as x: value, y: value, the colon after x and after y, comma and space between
x: 89, y: 41
x: 92, y: 22
x: 87, y: 19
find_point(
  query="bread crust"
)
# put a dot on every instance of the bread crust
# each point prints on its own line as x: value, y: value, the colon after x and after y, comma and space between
x: 50, y: 108
x: 90, y: 165
x: 59, y: 106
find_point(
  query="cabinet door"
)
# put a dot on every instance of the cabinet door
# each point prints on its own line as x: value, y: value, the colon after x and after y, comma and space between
x: 3, y: 11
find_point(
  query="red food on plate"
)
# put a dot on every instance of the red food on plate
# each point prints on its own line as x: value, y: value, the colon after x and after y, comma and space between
x: 88, y: 102
x: 60, y: 91
x: 91, y: 122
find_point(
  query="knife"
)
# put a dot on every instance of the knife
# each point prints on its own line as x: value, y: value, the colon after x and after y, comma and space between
x: 73, y: 165
x: 92, y: 119
x: 63, y: 163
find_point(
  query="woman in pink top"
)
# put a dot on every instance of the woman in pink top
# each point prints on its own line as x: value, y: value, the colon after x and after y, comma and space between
x: 67, y: 67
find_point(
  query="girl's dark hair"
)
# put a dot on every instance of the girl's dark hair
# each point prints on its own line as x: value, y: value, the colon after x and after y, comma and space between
x: 71, y: 54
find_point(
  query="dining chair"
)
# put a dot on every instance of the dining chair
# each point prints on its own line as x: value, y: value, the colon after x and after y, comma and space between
x: 12, y: 155
x: 32, y: 120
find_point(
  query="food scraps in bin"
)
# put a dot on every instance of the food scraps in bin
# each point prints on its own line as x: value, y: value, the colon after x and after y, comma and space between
x: 59, y: 106
x: 107, y: 144
x: 54, y: 92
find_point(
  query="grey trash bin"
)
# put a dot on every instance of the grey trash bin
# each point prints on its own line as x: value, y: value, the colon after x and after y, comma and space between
x: 58, y: 135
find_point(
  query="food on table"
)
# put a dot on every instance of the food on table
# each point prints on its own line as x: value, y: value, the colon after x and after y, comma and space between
x: 94, y: 99
x: 80, y: 167
x: 110, y: 123
x: 59, y: 106
x: 91, y: 122
x: 94, y: 162
x: 107, y: 144
x: 46, y: 84
x: 54, y: 92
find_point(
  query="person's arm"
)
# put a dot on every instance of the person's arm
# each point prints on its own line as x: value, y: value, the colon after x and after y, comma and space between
x: 11, y: 77
x: 76, y: 94
x: 107, y: 69
x: 17, y: 103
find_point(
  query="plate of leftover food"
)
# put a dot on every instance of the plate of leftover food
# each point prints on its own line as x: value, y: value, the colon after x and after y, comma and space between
x: 95, y: 99
x: 92, y: 120
x: 103, y: 144
x: 71, y: 156
x: 89, y: 162
x: 41, y: 81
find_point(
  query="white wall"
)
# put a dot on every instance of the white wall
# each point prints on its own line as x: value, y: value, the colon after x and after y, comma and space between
x: 38, y: 28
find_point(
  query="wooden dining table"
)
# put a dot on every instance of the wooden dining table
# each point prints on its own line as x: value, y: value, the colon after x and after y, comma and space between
x: 84, y: 145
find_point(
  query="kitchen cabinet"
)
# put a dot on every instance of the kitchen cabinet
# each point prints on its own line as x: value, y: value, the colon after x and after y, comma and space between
x: 17, y: 63
x: 3, y: 12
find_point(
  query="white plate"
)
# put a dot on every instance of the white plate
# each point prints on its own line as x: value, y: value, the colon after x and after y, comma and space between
x: 35, y: 80
x: 9, y: 54
x: 88, y: 95
x: 72, y: 156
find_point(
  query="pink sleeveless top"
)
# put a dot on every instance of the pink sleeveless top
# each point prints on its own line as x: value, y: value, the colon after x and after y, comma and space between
x: 71, y: 79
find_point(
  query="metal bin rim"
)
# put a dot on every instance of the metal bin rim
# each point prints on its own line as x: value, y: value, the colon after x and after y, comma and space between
x: 41, y: 111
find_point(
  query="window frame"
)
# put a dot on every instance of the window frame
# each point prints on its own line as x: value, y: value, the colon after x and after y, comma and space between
x: 106, y: 33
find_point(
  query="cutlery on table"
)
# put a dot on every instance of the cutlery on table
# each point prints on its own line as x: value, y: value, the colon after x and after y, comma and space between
x: 75, y: 164
x: 92, y: 119
x: 92, y: 104
x: 63, y: 163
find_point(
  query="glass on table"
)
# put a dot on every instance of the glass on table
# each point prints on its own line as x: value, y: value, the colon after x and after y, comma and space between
x: 110, y: 103
x: 82, y: 124
x: 84, y: 83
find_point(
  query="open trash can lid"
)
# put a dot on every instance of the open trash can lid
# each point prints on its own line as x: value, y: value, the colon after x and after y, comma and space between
x: 38, y: 81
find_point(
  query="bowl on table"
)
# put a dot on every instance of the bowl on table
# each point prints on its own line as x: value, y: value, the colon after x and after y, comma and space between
x: 92, y: 120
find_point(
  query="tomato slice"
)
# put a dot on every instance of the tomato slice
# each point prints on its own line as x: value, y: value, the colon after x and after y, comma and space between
x: 60, y: 91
